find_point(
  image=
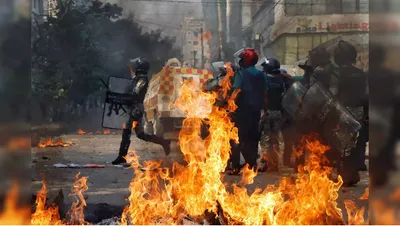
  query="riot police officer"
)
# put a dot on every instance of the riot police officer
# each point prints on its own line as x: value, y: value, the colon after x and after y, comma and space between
x: 351, y: 91
x: 276, y: 88
x: 138, y: 68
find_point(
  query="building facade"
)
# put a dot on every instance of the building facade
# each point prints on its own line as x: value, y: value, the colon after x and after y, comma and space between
x: 290, y: 28
x: 195, y: 48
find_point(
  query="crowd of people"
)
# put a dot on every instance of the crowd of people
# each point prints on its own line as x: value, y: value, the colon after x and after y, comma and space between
x: 260, y: 116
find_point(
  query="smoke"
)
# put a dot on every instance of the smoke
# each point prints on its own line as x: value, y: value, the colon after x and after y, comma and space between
x: 165, y: 15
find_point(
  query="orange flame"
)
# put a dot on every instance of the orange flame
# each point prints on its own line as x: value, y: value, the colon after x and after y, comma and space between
x: 76, y: 212
x: 365, y: 196
x: 80, y: 132
x: 161, y: 196
x: 355, y: 216
x: 43, y: 215
x: 12, y: 214
x: 106, y: 132
x: 48, y: 142
x: 19, y: 143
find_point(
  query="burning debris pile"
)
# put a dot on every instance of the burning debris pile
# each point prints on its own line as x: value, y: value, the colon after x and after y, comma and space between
x: 50, y: 142
x: 49, y: 215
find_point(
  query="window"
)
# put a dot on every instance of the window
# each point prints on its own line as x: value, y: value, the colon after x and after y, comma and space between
x: 195, y: 43
x: 363, y: 6
x: 318, y: 7
x: 349, y: 6
x: 333, y: 6
x: 34, y: 4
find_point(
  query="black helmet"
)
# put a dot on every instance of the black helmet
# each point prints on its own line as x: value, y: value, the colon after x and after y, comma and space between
x: 318, y: 56
x: 140, y: 64
x: 344, y: 53
x: 270, y: 64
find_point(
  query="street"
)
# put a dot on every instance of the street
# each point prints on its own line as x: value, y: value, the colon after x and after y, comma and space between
x: 110, y: 184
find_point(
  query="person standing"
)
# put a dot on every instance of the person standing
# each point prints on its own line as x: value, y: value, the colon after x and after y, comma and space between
x: 139, y: 69
x: 252, y: 88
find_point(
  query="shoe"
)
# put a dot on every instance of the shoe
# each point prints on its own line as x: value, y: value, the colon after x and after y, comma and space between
x: 119, y: 160
x: 234, y: 172
x: 167, y: 147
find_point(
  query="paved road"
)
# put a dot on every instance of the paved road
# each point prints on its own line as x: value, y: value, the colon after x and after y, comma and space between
x: 110, y: 185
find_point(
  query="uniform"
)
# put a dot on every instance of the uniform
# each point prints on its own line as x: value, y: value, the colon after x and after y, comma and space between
x: 138, y: 89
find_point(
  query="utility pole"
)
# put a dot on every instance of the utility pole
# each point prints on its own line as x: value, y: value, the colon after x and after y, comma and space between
x: 202, y: 47
x: 220, y: 31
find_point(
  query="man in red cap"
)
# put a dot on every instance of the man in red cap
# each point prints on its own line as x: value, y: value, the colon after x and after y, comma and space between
x: 252, y: 86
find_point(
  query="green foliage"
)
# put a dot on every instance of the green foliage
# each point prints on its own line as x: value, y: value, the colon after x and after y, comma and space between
x: 78, y: 46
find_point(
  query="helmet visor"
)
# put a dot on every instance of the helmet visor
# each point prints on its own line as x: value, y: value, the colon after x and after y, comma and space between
x: 236, y: 56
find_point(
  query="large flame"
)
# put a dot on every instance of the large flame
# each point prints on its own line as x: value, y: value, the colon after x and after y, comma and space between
x: 45, y: 215
x: 75, y: 214
x: 12, y: 213
x: 161, y: 196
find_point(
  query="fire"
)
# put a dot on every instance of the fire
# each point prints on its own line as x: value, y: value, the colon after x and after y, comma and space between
x: 49, y: 142
x: 80, y: 132
x: 75, y: 214
x: 356, y: 216
x: 49, y: 215
x: 161, y: 196
x: 19, y: 143
x: 45, y: 215
x: 365, y: 196
x: 12, y: 214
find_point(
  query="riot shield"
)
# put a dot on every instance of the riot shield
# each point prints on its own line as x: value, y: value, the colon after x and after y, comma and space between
x: 118, y: 103
x: 292, y: 98
x: 339, y: 126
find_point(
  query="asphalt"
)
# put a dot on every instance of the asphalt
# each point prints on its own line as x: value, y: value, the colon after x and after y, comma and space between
x: 110, y: 184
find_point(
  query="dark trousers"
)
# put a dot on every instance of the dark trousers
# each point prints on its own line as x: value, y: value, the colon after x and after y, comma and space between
x: 358, y: 153
x: 247, y: 122
x: 139, y: 131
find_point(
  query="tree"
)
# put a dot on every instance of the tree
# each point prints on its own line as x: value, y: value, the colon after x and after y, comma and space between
x: 78, y: 46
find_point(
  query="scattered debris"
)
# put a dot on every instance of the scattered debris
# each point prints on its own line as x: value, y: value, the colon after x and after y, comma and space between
x: 77, y: 166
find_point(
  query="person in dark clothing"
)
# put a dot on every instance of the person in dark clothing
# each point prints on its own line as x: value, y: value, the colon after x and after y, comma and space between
x: 138, y: 68
x: 253, y: 91
x: 351, y: 91
x: 384, y: 116
x: 290, y: 134
x: 272, y: 127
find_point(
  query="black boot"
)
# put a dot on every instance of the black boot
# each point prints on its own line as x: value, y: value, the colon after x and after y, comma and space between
x: 123, y: 151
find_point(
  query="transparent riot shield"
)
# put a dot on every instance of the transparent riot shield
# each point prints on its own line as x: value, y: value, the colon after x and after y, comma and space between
x: 292, y: 99
x: 118, y: 103
x: 339, y: 126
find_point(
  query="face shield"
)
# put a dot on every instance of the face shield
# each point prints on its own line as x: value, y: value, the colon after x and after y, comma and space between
x: 218, y: 65
x: 236, y: 56
x: 260, y: 64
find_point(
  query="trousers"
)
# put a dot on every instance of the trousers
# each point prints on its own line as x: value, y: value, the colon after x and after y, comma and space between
x: 247, y: 121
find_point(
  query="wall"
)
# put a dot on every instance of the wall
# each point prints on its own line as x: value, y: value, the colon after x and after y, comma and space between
x: 291, y: 48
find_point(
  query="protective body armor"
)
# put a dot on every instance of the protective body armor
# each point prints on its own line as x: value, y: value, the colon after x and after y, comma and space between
x: 276, y: 88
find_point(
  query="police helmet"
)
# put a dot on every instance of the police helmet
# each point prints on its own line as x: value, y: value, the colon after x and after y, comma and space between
x: 344, y: 53
x: 140, y: 64
x: 271, y: 65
